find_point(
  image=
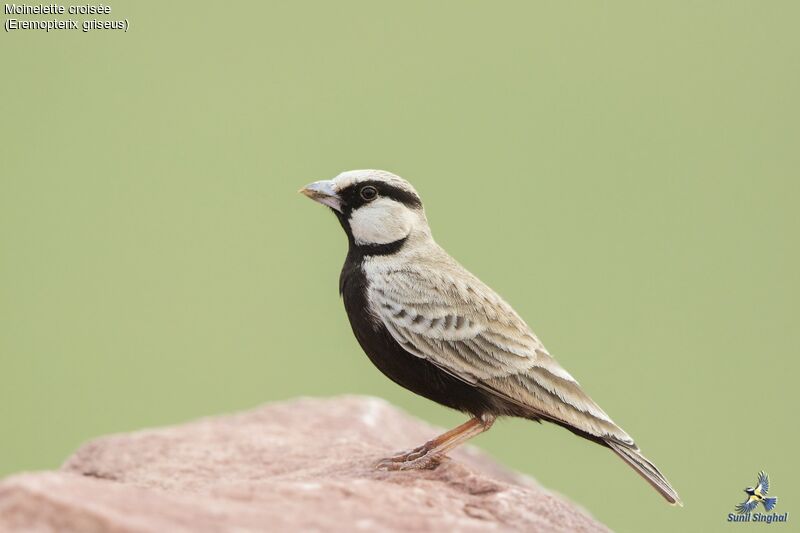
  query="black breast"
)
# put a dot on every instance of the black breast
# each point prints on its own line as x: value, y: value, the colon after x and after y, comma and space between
x: 407, y: 370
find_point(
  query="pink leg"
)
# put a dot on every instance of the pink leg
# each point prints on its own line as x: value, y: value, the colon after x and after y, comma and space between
x: 430, y: 454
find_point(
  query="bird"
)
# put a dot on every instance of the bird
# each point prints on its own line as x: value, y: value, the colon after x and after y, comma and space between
x: 757, y: 495
x: 435, y: 329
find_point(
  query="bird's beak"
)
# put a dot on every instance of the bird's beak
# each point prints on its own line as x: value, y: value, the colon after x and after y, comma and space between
x: 323, y: 192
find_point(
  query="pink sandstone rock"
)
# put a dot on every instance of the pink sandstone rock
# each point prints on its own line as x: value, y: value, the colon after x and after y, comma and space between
x: 303, y: 465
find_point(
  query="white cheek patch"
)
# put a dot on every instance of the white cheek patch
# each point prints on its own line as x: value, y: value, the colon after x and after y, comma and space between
x: 381, y: 222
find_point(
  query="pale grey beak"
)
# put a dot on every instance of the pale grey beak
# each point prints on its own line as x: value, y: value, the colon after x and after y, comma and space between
x: 323, y: 192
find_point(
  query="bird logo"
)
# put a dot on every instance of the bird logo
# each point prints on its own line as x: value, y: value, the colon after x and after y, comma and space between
x: 756, y: 495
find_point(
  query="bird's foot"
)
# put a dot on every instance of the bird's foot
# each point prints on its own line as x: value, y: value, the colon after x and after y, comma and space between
x: 421, y: 458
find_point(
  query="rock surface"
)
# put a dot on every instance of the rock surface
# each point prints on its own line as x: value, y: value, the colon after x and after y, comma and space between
x: 304, y: 465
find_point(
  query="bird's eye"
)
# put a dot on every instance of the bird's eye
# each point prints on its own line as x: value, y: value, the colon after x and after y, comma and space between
x: 369, y: 193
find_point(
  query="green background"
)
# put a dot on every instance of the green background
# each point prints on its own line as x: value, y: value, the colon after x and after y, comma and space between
x: 624, y: 173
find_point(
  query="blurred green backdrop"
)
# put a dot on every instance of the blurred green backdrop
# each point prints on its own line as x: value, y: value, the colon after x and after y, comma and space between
x: 625, y: 173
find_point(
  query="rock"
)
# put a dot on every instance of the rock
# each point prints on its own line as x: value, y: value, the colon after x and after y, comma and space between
x: 304, y: 465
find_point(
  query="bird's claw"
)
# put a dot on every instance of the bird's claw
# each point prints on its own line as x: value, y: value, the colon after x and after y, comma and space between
x: 420, y: 458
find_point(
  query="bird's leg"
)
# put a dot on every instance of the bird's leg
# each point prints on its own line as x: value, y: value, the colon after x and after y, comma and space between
x: 430, y: 454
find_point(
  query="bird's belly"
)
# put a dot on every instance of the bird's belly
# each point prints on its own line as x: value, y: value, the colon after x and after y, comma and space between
x: 421, y: 376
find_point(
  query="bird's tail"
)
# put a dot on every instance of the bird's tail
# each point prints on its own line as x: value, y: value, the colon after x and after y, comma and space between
x: 646, y: 469
x: 769, y: 503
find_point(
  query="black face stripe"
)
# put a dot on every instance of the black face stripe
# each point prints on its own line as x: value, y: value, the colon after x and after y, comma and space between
x: 389, y: 248
x: 351, y: 197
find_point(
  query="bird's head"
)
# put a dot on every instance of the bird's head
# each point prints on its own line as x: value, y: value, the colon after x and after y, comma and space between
x: 749, y: 490
x: 375, y: 207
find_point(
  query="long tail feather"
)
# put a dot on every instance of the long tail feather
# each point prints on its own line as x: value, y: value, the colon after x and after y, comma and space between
x: 646, y: 469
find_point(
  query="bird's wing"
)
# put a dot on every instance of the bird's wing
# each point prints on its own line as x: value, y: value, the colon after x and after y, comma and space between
x: 747, y: 506
x: 763, y: 484
x: 452, y: 319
